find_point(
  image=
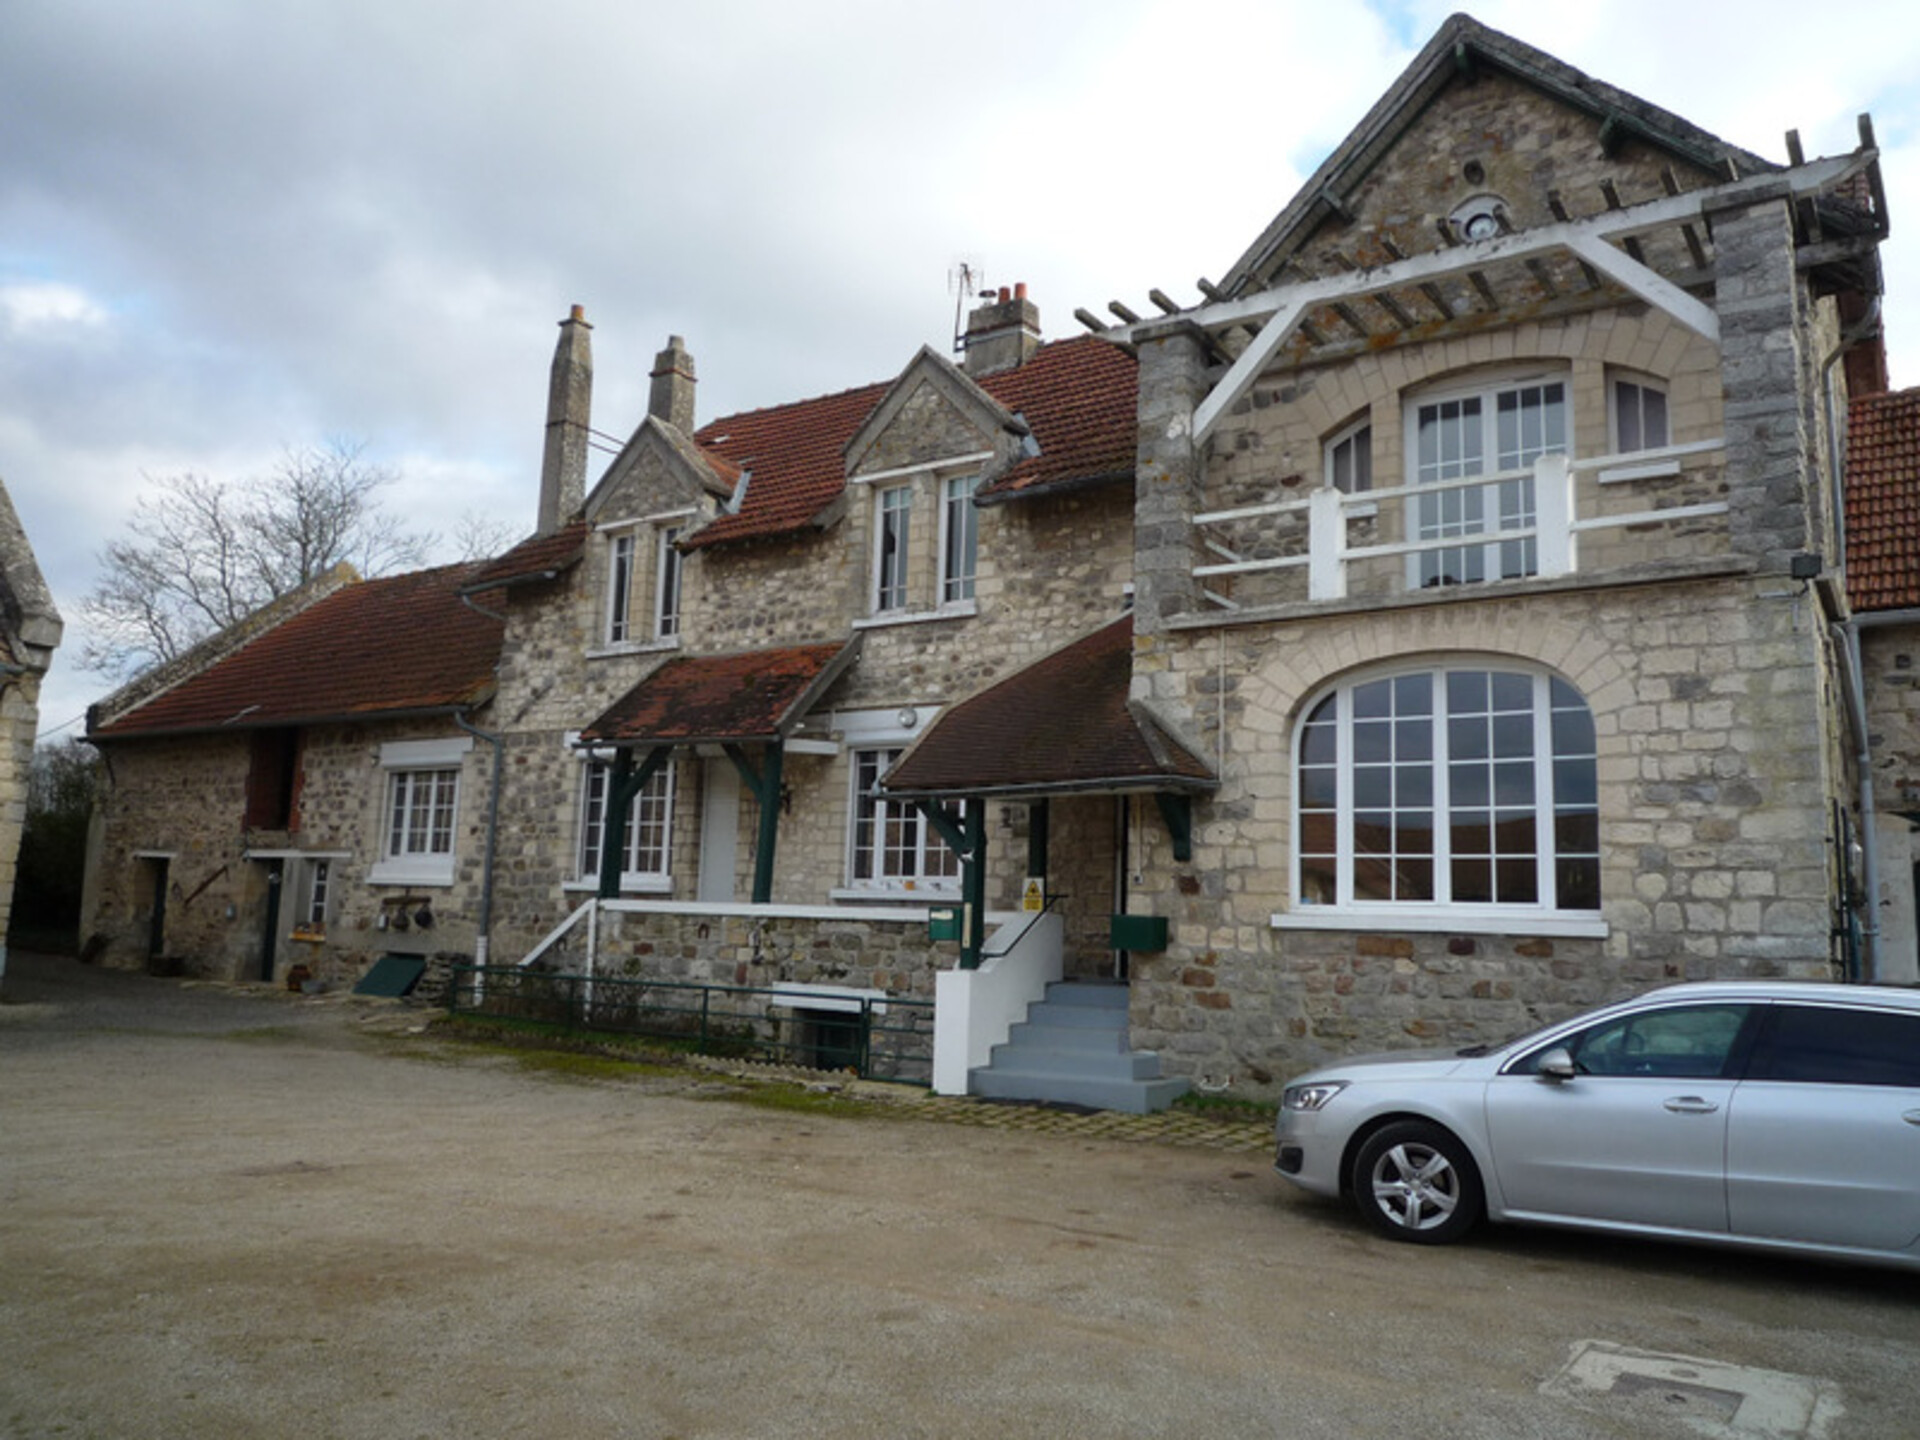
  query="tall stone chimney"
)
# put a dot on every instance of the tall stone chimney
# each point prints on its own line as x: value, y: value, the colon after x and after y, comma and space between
x: 671, y: 398
x: 563, y: 470
x: 1002, y: 333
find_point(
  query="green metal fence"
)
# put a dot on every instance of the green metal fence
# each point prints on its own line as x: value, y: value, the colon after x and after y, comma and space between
x: 878, y: 1039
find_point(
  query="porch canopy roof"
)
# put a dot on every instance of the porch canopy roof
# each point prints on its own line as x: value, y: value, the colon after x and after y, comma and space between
x: 750, y: 697
x: 1061, y: 726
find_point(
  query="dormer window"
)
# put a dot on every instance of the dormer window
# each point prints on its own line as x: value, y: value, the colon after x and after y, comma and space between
x: 892, y: 538
x: 643, y: 581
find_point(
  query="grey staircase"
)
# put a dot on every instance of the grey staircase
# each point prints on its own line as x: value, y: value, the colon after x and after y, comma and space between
x: 1072, y: 1049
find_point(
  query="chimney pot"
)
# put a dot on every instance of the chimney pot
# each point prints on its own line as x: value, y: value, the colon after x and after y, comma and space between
x: 1002, y: 332
x: 1020, y: 290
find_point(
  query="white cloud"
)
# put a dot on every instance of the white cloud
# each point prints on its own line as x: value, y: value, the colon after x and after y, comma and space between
x: 44, y: 305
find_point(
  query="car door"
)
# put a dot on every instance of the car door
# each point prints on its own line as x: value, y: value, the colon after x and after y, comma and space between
x: 1823, y: 1139
x: 1637, y: 1135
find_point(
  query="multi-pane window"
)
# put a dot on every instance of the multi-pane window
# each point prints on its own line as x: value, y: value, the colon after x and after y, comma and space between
x: 1639, y: 416
x: 420, y: 809
x: 1451, y: 787
x: 319, y: 891
x: 649, y: 849
x: 666, y: 608
x: 1494, y: 431
x: 960, y: 538
x: 893, y: 526
x: 892, y: 843
x: 619, y: 587
x: 1350, y: 459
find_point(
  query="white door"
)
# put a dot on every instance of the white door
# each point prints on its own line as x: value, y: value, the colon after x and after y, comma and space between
x: 719, y: 828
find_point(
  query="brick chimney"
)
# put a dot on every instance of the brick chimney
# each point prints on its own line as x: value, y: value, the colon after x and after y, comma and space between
x: 1002, y: 333
x: 563, y: 470
x: 671, y: 398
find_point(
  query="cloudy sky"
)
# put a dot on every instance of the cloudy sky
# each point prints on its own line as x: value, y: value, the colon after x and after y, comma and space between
x: 229, y: 228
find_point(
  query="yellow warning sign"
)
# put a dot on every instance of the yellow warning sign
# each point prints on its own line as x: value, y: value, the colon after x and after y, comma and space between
x: 1035, y: 897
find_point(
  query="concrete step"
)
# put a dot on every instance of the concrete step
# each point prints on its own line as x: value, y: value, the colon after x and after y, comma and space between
x: 1073, y: 1049
x: 1117, y: 1065
x: 1041, y: 1033
x: 1130, y: 1097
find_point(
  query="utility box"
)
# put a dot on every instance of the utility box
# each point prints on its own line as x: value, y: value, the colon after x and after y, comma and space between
x: 1141, y: 933
x: 943, y: 923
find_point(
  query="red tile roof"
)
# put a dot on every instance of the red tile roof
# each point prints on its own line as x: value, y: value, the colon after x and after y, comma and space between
x: 1060, y: 725
x: 536, y: 556
x: 1077, y: 396
x: 1883, y: 501
x: 376, y: 648
x: 1080, y: 398
x: 750, y: 696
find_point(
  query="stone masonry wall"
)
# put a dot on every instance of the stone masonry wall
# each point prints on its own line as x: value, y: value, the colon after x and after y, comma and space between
x: 1708, y: 703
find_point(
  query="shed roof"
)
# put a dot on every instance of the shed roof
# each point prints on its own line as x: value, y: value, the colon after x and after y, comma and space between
x: 402, y: 645
x: 1883, y: 501
x: 751, y: 696
x: 1062, y: 724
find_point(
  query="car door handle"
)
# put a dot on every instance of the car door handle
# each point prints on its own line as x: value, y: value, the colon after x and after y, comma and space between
x: 1912, y: 1117
x: 1691, y: 1105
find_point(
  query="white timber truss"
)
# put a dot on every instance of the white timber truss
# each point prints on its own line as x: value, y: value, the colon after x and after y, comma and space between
x: 1600, y: 242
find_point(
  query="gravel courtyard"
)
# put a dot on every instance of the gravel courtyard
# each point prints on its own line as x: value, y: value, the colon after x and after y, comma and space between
x: 229, y: 1214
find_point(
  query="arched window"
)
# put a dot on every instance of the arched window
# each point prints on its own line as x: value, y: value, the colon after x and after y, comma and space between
x: 1447, y: 792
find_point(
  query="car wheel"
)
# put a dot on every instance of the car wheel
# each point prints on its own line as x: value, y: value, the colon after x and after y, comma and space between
x: 1415, y: 1181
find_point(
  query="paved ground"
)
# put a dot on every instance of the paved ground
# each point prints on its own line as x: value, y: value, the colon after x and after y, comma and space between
x: 242, y: 1214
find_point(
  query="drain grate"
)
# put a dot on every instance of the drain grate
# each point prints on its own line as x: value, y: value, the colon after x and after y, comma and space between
x: 1707, y: 1396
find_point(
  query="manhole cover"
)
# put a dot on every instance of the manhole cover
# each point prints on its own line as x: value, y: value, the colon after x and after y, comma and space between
x: 1705, y: 1395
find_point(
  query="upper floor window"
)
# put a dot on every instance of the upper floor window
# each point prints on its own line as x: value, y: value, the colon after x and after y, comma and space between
x: 1349, y: 459
x: 666, y: 605
x: 620, y: 587
x: 1497, y: 429
x: 893, y: 534
x: 1639, y: 415
x: 1445, y: 788
x: 646, y: 862
x: 892, y: 845
x: 960, y: 538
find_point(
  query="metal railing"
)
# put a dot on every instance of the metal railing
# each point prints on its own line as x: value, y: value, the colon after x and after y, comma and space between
x: 887, y: 1038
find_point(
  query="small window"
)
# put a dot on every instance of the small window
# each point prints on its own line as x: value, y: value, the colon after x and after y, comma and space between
x: 666, y: 610
x: 892, y: 534
x: 619, y: 587
x: 1350, y: 460
x: 319, y: 891
x: 420, y: 809
x: 1837, y: 1045
x: 960, y: 541
x: 1639, y: 416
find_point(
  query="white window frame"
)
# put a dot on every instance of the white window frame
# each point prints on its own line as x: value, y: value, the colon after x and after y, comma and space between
x: 1433, y: 800
x: 892, y: 568
x: 1641, y: 387
x: 622, y: 551
x: 646, y: 868
x: 411, y: 854
x: 959, y: 524
x: 1455, y: 511
x: 916, y: 841
x: 666, y: 587
x: 1356, y: 440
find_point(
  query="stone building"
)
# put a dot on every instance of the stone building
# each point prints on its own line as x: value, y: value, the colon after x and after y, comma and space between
x: 1441, y: 626
x: 29, y: 632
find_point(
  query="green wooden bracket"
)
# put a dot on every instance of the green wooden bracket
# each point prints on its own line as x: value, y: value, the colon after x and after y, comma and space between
x: 625, y: 783
x: 1177, y: 810
x: 946, y: 823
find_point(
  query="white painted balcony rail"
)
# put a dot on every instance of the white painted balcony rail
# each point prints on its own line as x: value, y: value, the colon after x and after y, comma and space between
x: 1556, y: 526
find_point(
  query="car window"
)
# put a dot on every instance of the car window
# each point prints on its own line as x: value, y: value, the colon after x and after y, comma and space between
x: 1837, y: 1045
x: 1681, y: 1042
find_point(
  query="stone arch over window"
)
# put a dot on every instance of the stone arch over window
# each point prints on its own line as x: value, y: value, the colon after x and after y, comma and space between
x: 1433, y: 793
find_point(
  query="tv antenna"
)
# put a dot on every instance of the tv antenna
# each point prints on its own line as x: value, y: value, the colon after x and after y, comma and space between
x: 966, y: 278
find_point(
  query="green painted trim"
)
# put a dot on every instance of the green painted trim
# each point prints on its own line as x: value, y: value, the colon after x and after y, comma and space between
x: 1177, y: 810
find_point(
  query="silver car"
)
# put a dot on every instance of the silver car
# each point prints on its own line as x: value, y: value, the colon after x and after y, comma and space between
x: 1779, y: 1116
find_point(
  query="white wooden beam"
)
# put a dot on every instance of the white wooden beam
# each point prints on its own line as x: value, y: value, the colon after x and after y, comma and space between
x: 1252, y: 361
x: 1648, y: 284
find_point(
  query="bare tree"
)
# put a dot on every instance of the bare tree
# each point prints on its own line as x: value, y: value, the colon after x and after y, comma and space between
x: 201, y: 553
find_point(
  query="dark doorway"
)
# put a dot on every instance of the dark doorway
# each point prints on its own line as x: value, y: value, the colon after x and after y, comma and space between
x: 270, y: 939
x: 155, y: 886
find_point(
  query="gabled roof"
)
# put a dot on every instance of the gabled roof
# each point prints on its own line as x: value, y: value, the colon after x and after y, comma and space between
x: 1883, y: 501
x: 1076, y: 397
x: 538, y: 557
x: 1063, y: 724
x: 1460, y: 46
x: 379, y: 648
x: 752, y: 696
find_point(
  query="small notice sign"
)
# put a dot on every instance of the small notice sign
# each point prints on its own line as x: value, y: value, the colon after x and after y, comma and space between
x: 1034, y: 898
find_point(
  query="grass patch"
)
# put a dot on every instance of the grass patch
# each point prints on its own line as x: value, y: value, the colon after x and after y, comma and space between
x: 1229, y: 1108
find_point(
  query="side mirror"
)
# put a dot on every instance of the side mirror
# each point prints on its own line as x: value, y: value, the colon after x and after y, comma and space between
x: 1556, y: 1064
